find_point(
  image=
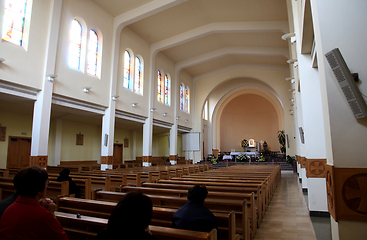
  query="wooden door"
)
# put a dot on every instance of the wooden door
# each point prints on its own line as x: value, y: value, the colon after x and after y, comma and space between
x: 117, y: 153
x: 19, y: 152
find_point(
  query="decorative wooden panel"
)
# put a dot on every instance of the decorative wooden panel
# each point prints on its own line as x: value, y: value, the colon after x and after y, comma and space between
x: 173, y: 157
x: 147, y: 158
x: 2, y: 133
x: 298, y: 158
x: 110, y: 160
x: 315, y: 168
x: 330, y: 189
x: 303, y: 162
x: 104, y: 159
x: 38, y: 161
x: 347, y: 193
x: 126, y: 142
x: 79, y: 139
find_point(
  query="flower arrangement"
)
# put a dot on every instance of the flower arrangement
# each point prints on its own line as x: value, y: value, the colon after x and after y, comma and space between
x: 244, y: 143
x: 243, y: 157
x: 261, y: 157
x: 213, y: 160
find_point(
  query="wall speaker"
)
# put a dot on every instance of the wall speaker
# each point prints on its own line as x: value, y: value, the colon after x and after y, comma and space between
x: 347, y: 83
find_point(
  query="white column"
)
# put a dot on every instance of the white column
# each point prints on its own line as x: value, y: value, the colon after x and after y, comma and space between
x: 42, y: 106
x: 108, y: 134
x: 173, y: 142
x: 147, y: 139
x: 58, y: 141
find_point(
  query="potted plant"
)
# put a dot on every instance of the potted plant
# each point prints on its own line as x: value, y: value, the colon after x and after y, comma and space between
x: 292, y: 160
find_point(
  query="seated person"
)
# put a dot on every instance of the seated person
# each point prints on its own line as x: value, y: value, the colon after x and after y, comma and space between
x: 64, y: 176
x: 29, y: 217
x: 193, y: 215
x: 130, y: 219
x: 168, y: 162
x: 5, y: 203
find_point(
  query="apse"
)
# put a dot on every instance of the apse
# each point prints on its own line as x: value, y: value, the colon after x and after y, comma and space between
x: 248, y: 116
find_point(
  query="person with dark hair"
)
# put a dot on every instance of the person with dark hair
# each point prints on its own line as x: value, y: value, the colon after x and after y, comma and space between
x: 64, y: 176
x: 168, y: 162
x: 193, y: 215
x: 130, y: 219
x: 29, y: 217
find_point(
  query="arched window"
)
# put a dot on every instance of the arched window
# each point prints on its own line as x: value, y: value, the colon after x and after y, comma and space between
x: 92, y: 53
x: 127, y: 70
x: 187, y: 99
x: 182, y: 92
x: 167, y: 89
x: 159, y: 90
x: 206, y: 111
x: 75, y: 44
x: 14, y: 17
x: 138, y: 76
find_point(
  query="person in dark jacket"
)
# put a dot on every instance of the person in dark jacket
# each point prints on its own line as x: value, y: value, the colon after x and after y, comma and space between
x: 4, y: 204
x: 193, y: 215
x: 130, y: 219
x: 64, y: 176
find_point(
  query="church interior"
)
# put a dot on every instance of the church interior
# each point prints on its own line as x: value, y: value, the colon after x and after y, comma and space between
x: 146, y: 81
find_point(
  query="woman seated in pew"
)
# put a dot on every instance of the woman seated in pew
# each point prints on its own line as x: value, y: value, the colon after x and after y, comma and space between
x: 130, y: 219
x: 64, y: 176
x: 193, y: 215
x: 30, y: 217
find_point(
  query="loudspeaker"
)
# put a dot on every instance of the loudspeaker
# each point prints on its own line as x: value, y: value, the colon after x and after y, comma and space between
x: 347, y: 83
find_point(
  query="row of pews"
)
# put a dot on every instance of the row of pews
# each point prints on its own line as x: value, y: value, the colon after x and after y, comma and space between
x: 238, y: 196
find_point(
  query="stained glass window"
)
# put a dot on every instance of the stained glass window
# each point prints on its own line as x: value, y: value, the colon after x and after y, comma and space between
x: 92, y: 53
x: 14, y: 17
x: 127, y: 69
x: 159, y: 90
x: 138, y: 76
x: 182, y: 97
x: 187, y: 99
x: 75, y: 44
x: 167, y: 89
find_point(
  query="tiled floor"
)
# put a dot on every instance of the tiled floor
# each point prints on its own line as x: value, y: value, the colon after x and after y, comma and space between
x: 287, y: 217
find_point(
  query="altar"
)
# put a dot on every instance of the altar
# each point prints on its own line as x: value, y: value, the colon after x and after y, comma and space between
x: 234, y: 155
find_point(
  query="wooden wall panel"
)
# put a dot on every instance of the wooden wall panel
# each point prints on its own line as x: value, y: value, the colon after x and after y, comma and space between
x: 347, y: 193
x: 315, y: 168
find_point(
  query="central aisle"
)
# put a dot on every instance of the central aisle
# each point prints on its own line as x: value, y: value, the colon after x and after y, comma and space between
x: 287, y: 217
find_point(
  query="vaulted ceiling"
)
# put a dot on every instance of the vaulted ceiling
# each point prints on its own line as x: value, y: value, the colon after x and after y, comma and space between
x: 205, y: 35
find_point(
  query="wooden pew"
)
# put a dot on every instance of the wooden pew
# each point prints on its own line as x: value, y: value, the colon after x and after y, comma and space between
x: 58, y: 169
x: 4, y: 172
x: 160, y: 217
x: 85, y: 186
x: 88, y: 227
x: 97, y: 182
x: 54, y: 189
x: 224, y: 184
x: 243, y: 220
x: 249, y: 197
x: 186, y: 187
